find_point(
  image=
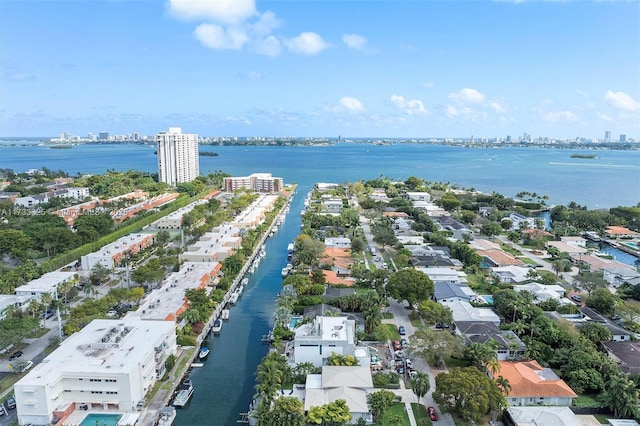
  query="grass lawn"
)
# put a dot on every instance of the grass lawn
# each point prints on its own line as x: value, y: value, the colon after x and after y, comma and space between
x: 416, y: 322
x: 420, y: 412
x: 39, y: 333
x: 397, y: 411
x: 391, y: 331
x: 602, y: 418
x: 387, y: 315
x: 510, y: 250
x: 527, y: 261
x: 455, y: 362
x: 586, y: 401
x: 9, y: 380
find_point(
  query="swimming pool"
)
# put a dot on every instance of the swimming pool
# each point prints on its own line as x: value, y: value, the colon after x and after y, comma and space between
x: 631, y: 244
x: 488, y: 298
x: 293, y: 322
x: 97, y: 419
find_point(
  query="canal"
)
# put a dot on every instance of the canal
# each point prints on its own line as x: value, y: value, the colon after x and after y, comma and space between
x: 224, y: 386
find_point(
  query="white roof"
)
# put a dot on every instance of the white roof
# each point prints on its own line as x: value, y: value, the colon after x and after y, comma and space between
x: 339, y: 382
x: 47, y: 283
x: 544, y: 416
x: 127, y: 342
x: 463, y: 311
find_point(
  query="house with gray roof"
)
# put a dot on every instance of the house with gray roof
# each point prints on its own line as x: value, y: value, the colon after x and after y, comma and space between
x: 625, y: 354
x: 449, y: 292
x: 616, y: 276
x: 508, y: 344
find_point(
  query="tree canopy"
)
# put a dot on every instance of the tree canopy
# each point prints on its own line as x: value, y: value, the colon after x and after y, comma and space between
x: 411, y: 285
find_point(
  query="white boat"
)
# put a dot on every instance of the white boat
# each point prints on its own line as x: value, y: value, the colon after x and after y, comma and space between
x: 244, y: 281
x: 184, y: 394
x: 263, y: 253
x: 204, y: 353
x: 233, y: 299
x: 217, y: 327
x: 251, y: 269
x: 274, y: 229
x: 224, y: 314
x: 167, y: 416
x: 284, y: 272
x: 239, y: 290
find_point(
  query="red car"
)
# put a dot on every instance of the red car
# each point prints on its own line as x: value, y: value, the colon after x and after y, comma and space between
x: 432, y: 413
x: 397, y: 346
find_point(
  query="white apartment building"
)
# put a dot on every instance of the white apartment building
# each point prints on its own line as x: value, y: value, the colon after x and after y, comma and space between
x: 46, y: 284
x: 109, y: 364
x: 260, y: 182
x: 178, y: 158
x: 112, y: 254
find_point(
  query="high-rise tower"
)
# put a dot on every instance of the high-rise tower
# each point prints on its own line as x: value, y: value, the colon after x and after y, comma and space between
x: 177, y: 156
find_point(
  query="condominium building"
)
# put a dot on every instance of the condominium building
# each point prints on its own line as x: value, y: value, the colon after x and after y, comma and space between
x: 112, y: 254
x: 178, y: 159
x: 108, y: 365
x: 261, y: 182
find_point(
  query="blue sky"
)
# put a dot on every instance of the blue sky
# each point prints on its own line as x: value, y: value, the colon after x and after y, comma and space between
x: 355, y: 68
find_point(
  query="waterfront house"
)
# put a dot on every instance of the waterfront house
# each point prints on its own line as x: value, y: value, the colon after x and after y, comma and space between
x: 531, y: 384
x: 519, y: 221
x: 316, y: 341
x: 463, y: 311
x: 339, y: 382
x: 618, y: 275
x: 616, y: 232
x: 337, y: 242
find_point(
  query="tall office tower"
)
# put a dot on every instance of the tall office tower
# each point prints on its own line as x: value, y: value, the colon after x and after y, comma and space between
x: 607, y: 136
x: 177, y: 156
x: 103, y: 136
x: 623, y: 138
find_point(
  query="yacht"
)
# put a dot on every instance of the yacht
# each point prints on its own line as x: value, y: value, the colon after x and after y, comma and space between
x: 184, y: 394
x: 167, y: 416
x: 224, y: 314
x: 233, y: 299
x: 203, y: 354
x: 217, y: 327
x: 284, y: 272
x: 244, y: 281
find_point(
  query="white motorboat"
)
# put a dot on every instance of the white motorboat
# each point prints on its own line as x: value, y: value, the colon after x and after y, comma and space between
x: 217, y: 327
x: 224, y: 315
x: 184, y: 394
x: 244, y: 281
x: 233, y: 299
x: 203, y: 354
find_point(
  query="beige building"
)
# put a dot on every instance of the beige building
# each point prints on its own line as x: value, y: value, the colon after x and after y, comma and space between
x: 178, y: 157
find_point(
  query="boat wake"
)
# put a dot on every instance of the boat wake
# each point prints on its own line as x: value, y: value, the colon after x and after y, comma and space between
x: 615, y: 166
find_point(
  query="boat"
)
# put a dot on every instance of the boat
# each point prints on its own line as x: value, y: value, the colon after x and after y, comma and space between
x: 204, y: 353
x: 167, y: 416
x: 252, y: 269
x: 244, y: 281
x: 263, y: 253
x: 284, y: 272
x: 239, y: 290
x: 274, y: 229
x: 217, y: 327
x: 184, y: 394
x: 224, y: 314
x: 233, y: 299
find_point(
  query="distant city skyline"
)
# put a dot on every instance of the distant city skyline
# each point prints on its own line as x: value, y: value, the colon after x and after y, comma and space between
x: 366, y: 69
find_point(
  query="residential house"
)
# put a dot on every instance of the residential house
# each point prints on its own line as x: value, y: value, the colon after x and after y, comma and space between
x: 532, y: 384
x: 445, y: 291
x: 316, y: 341
x: 463, y: 311
x: 616, y: 232
x: 332, y: 206
x: 547, y: 416
x: 418, y: 196
x: 339, y: 382
x: 11, y: 301
x: 616, y: 276
x: 543, y: 292
x: 574, y: 241
x: 31, y: 201
x: 625, y: 354
x: 9, y: 196
x: 571, y: 249
x: 444, y: 274
x: 511, y: 273
x: 519, y: 221
x: 457, y: 228
x: 508, y: 344
x: 337, y: 242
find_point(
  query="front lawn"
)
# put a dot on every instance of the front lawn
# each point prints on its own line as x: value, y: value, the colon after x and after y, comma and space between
x: 455, y: 362
x: 420, y: 412
x: 587, y: 401
x: 397, y: 415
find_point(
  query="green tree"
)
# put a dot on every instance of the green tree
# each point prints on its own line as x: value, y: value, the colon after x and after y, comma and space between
x: 335, y: 413
x: 603, y: 301
x: 286, y: 411
x: 491, y: 228
x: 434, y: 312
x: 589, y: 281
x: 380, y: 402
x: 344, y: 360
x: 99, y: 274
x: 420, y: 384
x: 479, y: 354
x: 411, y: 285
x: 468, y: 392
x: 621, y: 395
x: 595, y: 332
x: 307, y: 251
x: 434, y: 345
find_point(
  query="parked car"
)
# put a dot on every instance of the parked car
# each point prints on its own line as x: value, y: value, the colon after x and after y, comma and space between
x: 432, y: 413
x: 576, y: 298
x: 402, y: 330
x: 11, y: 402
x: 47, y: 314
x: 16, y: 354
x: 404, y: 343
x: 396, y: 345
x: 408, y: 363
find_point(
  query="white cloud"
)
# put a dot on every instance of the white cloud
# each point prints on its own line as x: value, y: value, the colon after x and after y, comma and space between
x: 351, y: 104
x: 560, y: 117
x: 582, y: 93
x: 428, y: 85
x: 354, y: 41
x: 621, y: 100
x: 266, y: 23
x: 217, y: 37
x: 467, y: 95
x: 413, y: 106
x: 269, y: 46
x: 307, y: 43
x: 498, y: 106
x: 224, y: 11
x: 451, y: 111
x: 604, y: 117
x: 254, y: 75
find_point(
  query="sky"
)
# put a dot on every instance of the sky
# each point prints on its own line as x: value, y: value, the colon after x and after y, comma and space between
x: 355, y: 68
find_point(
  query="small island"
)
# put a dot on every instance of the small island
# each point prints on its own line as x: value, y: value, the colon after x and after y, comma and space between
x: 208, y: 154
x: 590, y: 156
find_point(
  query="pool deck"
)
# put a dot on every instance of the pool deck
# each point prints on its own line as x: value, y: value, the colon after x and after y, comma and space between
x: 78, y: 416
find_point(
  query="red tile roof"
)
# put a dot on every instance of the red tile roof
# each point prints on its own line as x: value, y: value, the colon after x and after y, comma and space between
x: 527, y: 379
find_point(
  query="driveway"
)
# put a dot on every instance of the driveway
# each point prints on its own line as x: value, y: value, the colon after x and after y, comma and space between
x: 401, y: 317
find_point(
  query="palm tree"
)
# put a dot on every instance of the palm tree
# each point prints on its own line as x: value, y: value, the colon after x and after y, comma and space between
x: 420, y: 384
x: 269, y: 378
x: 46, y: 299
x: 504, y: 385
x: 493, y: 365
x: 34, y: 307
